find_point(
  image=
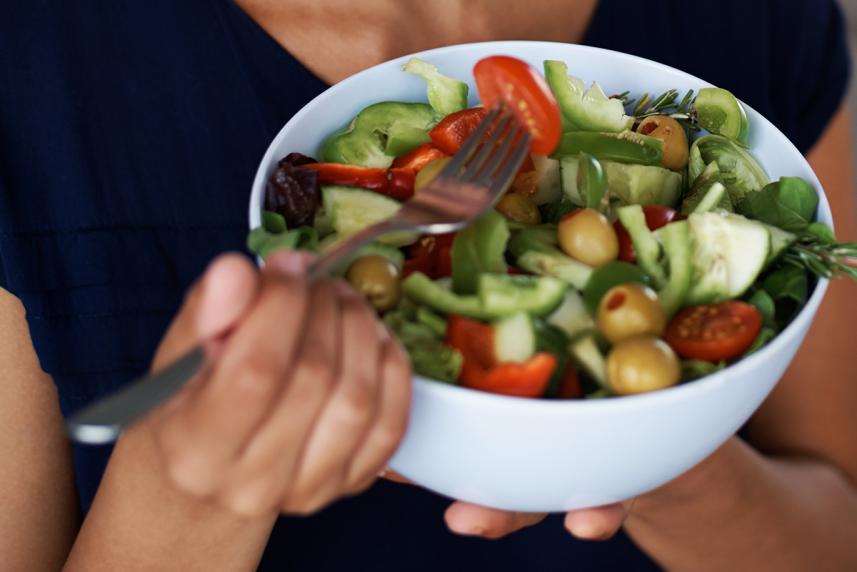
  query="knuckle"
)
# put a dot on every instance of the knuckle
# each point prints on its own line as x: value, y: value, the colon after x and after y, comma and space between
x: 188, y: 473
x: 249, y: 501
x: 356, y: 404
x: 254, y: 381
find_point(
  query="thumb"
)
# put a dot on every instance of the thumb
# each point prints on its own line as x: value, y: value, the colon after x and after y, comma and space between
x: 213, y: 306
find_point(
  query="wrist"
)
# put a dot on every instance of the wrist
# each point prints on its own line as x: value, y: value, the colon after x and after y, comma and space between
x: 717, y: 486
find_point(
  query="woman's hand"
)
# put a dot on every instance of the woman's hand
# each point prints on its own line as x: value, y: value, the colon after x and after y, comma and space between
x: 305, y: 400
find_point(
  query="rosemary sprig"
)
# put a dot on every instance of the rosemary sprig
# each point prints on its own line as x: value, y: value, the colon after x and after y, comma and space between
x: 825, y: 260
x: 666, y: 103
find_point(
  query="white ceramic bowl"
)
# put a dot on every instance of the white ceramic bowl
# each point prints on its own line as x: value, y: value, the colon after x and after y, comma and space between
x: 541, y: 455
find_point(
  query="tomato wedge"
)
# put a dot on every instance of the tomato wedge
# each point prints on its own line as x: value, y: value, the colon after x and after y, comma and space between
x: 656, y: 217
x: 419, y: 157
x: 526, y: 93
x: 480, y: 369
x: 714, y: 332
x: 449, y: 135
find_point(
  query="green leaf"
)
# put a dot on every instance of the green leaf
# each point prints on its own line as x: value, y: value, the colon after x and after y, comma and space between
x: 591, y: 182
x: 764, y: 303
x: 765, y: 335
x: 430, y: 357
x: 820, y: 232
x: 694, y: 369
x: 273, y: 222
x: 789, y: 287
x: 789, y: 204
x: 552, y: 212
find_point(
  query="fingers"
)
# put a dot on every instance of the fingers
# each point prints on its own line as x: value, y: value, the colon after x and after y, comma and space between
x: 202, y: 438
x: 269, y: 461
x: 599, y: 523
x: 472, y: 520
x: 345, y: 421
x: 212, y: 306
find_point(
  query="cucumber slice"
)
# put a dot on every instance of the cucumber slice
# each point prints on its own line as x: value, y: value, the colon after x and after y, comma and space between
x: 630, y: 183
x: 718, y: 111
x: 636, y: 184
x: 646, y: 246
x: 514, y: 338
x: 548, y: 188
x: 780, y: 240
x: 557, y: 265
x: 712, y: 197
x: 589, y: 110
x: 571, y: 317
x: 728, y: 253
x: 676, y: 240
x: 586, y: 354
x: 698, y: 191
x: 351, y: 210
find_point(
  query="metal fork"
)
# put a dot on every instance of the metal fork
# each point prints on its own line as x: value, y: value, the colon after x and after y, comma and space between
x: 464, y: 189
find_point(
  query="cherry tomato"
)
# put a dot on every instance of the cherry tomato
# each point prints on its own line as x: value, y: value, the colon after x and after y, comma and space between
x: 419, y: 157
x: 450, y: 133
x: 526, y: 93
x: 656, y: 217
x: 714, y: 332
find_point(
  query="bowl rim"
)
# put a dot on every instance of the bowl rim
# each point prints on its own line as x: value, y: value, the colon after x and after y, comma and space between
x: 706, y: 384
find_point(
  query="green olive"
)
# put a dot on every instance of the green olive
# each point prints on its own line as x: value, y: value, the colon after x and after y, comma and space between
x: 630, y: 310
x: 641, y: 364
x: 377, y: 279
x: 589, y: 237
x: 519, y: 208
x: 429, y: 171
x: 672, y: 134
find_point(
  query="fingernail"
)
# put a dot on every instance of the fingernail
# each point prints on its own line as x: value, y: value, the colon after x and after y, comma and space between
x: 344, y: 289
x: 288, y: 262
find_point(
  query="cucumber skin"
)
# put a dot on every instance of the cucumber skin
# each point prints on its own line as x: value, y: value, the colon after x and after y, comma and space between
x: 676, y: 240
x: 646, y: 246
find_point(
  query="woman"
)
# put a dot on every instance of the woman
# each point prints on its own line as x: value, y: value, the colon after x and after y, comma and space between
x: 130, y: 133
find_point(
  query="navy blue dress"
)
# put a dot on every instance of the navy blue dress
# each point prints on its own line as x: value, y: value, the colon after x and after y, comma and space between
x: 129, y: 136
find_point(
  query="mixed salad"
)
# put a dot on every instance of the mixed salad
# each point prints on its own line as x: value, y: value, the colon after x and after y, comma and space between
x: 640, y: 246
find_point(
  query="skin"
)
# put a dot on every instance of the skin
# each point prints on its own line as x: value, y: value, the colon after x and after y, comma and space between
x: 197, y: 485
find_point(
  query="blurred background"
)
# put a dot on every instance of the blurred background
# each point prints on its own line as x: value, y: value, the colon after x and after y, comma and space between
x: 850, y: 7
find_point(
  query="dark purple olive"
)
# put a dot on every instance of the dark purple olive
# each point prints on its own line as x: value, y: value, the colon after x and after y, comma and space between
x: 293, y: 192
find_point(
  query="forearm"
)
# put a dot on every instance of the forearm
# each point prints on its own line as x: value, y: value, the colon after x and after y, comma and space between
x: 138, y: 521
x: 742, y: 511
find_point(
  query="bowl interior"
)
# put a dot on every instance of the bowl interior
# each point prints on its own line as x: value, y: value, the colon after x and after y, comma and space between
x: 616, y: 72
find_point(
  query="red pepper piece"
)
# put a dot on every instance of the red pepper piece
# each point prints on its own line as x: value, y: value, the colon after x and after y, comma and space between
x: 528, y: 379
x: 569, y: 386
x: 395, y: 183
x: 480, y: 369
x: 419, y: 157
x: 450, y: 133
x: 431, y: 255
